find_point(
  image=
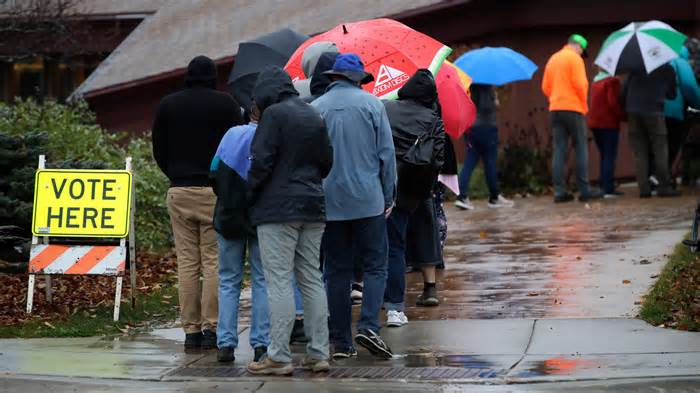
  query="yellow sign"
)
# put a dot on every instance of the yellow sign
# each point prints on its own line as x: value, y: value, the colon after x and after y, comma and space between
x: 81, y: 203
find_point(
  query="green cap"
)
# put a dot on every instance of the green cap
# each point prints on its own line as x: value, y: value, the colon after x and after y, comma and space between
x: 578, y: 38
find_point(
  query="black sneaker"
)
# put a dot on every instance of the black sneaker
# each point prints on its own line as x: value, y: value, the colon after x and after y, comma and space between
x: 344, y: 353
x: 193, y: 340
x: 373, y: 343
x: 590, y: 196
x: 667, y: 193
x: 563, y: 198
x: 208, y: 339
x: 298, y: 335
x: 428, y: 298
x: 225, y: 354
x: 259, y: 353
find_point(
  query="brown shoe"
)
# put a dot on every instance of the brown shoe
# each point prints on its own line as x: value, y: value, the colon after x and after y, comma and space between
x: 266, y: 366
x: 315, y: 365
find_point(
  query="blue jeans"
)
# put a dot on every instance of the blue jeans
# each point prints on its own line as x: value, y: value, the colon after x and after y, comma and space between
x: 365, y: 238
x: 231, y: 260
x: 569, y: 125
x: 607, y: 140
x: 395, y: 290
x: 482, y: 144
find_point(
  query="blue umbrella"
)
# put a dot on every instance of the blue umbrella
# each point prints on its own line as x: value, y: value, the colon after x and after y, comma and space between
x: 496, y: 66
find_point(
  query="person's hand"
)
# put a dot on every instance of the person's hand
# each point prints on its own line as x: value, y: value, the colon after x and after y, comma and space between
x: 387, y: 212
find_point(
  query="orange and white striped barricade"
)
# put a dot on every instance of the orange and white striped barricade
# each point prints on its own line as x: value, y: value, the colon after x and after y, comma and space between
x: 83, y: 204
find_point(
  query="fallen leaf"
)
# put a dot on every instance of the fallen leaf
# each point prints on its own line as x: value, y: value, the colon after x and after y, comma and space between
x: 533, y: 294
x: 483, y: 234
x: 626, y: 281
x: 578, y: 258
x: 645, y: 262
x: 654, y: 276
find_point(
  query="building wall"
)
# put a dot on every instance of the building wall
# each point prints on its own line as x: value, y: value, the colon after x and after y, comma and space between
x: 536, y: 28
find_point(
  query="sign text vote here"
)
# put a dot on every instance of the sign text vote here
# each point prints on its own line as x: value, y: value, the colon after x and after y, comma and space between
x: 82, y: 203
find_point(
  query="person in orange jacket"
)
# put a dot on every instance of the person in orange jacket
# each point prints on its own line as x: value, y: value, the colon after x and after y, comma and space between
x: 566, y: 86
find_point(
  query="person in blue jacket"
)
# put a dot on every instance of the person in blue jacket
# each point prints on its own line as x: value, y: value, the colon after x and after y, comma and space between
x: 236, y: 235
x: 687, y: 95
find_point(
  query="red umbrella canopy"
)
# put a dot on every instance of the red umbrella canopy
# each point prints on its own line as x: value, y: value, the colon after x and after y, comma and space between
x: 391, y: 52
x: 458, y: 110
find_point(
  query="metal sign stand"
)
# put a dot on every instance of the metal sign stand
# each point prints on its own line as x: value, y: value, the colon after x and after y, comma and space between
x: 122, y: 243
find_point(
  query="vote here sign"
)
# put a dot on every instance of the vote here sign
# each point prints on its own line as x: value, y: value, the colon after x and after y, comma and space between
x: 82, y: 203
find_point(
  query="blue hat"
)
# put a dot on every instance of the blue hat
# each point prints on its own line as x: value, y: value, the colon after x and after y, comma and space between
x: 349, y: 65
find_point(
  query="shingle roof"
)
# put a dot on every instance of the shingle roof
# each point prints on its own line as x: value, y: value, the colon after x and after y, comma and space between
x: 182, y: 29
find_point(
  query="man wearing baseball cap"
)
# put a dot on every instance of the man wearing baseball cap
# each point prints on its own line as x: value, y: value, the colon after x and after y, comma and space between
x: 360, y: 192
x: 566, y: 86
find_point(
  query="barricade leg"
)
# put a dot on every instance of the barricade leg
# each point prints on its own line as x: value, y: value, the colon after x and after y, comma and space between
x: 118, y: 298
x: 30, y: 294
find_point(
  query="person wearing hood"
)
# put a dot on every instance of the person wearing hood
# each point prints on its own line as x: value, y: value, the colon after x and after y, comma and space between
x: 309, y: 60
x: 237, y: 238
x: 319, y: 79
x: 687, y: 95
x: 415, y: 126
x: 604, y: 119
x: 187, y: 130
x: 291, y: 155
x: 360, y: 194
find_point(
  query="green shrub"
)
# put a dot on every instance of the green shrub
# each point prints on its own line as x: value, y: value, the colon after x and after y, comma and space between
x: 70, y: 138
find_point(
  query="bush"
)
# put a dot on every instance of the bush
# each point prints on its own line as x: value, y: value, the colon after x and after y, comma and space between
x: 70, y: 138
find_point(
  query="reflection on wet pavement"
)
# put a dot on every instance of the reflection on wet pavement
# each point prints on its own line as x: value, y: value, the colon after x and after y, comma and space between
x: 545, y: 260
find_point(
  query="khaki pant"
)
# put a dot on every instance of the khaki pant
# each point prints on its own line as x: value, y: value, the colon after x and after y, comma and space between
x: 191, y: 212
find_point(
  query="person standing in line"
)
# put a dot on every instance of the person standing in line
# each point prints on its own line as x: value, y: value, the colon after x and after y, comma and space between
x: 565, y: 85
x: 604, y: 121
x: 687, y: 95
x: 643, y: 96
x: 291, y: 154
x: 360, y: 194
x: 187, y: 130
x: 236, y: 235
x: 415, y: 126
x: 482, y: 143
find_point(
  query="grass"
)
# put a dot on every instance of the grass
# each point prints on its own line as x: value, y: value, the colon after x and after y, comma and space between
x: 674, y: 300
x: 157, y: 306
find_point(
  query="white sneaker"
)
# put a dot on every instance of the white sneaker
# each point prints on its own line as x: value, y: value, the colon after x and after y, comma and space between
x: 356, y: 296
x: 464, y: 204
x: 395, y: 318
x: 501, y: 201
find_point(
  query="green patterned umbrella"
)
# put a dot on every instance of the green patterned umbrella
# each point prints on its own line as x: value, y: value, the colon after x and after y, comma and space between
x: 640, y: 46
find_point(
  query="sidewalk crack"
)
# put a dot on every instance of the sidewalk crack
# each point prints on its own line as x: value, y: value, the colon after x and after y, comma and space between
x: 527, y: 349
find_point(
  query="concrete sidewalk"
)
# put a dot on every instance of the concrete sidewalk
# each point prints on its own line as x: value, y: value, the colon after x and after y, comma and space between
x: 504, y: 351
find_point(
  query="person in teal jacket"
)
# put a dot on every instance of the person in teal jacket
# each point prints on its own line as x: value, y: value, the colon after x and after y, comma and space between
x: 687, y: 94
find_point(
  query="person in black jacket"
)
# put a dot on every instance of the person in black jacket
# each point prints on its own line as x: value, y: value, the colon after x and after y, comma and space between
x: 188, y: 127
x: 291, y: 154
x: 643, y: 97
x: 414, y: 121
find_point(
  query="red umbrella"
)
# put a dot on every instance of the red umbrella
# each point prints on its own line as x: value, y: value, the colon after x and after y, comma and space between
x: 391, y: 51
x: 458, y: 110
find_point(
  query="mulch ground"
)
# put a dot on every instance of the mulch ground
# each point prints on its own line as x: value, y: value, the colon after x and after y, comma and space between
x: 72, y: 294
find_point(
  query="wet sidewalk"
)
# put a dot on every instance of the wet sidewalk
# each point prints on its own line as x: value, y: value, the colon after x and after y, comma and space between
x: 500, y: 351
x: 538, y: 293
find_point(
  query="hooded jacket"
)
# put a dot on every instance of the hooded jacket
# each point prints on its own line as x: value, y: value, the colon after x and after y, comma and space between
x: 319, y: 80
x: 687, y: 89
x: 189, y: 125
x: 291, y: 154
x: 229, y: 174
x: 412, y: 116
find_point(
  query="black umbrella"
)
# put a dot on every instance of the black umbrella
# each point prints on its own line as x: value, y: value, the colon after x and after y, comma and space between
x: 270, y: 49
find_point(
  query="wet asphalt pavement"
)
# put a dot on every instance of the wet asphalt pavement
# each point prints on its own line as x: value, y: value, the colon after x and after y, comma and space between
x: 544, y: 260
x: 529, y: 294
